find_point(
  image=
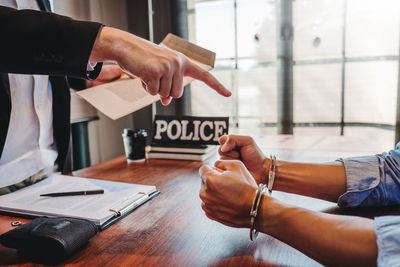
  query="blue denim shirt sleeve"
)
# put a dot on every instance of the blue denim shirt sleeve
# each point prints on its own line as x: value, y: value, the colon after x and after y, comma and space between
x: 375, y: 181
x: 387, y: 229
x: 372, y: 180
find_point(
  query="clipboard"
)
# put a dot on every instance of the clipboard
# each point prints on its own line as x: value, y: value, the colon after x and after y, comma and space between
x: 119, y: 199
x: 128, y: 209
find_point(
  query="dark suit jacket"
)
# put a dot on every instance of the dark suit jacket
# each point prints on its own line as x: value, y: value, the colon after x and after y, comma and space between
x: 36, y: 42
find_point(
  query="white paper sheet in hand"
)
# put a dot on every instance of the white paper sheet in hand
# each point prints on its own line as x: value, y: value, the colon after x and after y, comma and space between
x: 118, y: 98
x: 121, y: 97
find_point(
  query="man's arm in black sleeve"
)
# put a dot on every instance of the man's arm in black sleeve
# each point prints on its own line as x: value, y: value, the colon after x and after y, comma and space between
x: 35, y: 42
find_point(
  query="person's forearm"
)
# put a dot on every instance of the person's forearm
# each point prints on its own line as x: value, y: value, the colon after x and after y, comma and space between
x: 332, y: 240
x: 323, y: 181
x: 129, y: 51
x: 108, y: 45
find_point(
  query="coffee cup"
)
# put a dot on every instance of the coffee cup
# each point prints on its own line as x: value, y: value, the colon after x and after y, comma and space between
x: 134, y: 144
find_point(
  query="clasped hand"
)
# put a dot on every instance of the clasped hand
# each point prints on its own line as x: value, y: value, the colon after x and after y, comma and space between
x: 229, y: 187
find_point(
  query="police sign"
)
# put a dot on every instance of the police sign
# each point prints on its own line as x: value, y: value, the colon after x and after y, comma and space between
x: 188, y: 130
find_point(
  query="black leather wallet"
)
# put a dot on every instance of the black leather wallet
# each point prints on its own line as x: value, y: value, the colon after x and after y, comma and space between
x: 49, y: 240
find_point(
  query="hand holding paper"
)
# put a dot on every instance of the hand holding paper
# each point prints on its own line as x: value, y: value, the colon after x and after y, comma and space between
x: 160, y: 68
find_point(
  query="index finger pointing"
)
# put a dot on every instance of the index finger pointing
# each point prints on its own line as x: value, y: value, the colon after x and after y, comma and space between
x: 198, y: 73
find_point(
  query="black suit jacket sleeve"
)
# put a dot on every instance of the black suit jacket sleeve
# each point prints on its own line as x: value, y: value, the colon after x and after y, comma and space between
x: 36, y: 42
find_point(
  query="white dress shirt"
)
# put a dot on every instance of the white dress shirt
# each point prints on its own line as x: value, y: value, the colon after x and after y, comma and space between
x: 29, y: 145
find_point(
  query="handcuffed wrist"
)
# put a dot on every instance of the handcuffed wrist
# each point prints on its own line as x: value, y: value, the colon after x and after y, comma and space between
x: 254, y: 210
x: 269, y: 167
x: 265, y: 168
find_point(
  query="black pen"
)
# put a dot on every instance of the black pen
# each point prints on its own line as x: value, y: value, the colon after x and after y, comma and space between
x: 74, y: 193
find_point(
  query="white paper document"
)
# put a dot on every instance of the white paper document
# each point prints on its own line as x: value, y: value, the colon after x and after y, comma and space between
x: 121, y: 97
x: 118, y: 98
x: 98, y: 208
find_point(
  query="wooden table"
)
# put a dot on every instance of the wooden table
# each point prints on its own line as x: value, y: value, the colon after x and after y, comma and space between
x: 172, y: 230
